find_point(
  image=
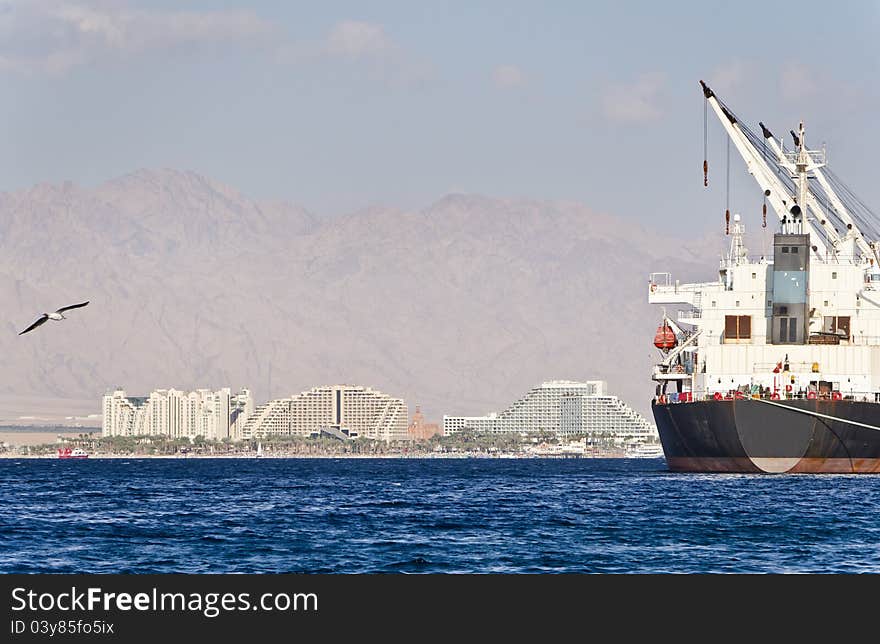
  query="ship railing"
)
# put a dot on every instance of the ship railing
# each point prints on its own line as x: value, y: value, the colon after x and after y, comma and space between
x: 859, y: 340
x: 718, y: 338
x: 660, y: 279
x: 698, y: 396
x: 749, y: 259
x: 699, y: 287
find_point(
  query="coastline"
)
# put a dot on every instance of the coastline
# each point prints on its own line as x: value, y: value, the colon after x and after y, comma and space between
x: 30, y: 443
x: 293, y: 456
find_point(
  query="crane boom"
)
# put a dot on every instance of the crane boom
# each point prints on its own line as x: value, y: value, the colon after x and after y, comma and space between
x: 782, y: 202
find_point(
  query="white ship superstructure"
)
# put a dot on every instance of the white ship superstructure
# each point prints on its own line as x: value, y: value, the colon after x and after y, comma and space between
x: 801, y: 322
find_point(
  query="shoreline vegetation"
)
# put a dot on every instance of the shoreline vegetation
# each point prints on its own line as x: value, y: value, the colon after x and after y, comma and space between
x: 459, y: 445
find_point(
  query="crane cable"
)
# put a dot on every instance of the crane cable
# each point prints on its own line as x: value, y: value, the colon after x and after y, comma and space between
x: 727, y: 195
x: 764, y: 207
x: 705, y: 143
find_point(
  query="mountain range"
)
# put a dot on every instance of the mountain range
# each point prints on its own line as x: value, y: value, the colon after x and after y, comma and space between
x: 459, y: 307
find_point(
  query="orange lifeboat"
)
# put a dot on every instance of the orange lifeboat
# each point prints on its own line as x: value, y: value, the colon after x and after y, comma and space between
x: 665, y: 337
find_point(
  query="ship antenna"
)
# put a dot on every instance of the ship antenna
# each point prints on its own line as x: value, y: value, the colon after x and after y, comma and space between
x: 803, y: 162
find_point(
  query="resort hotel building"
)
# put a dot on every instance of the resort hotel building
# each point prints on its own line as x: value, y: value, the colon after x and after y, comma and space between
x: 214, y: 415
x: 564, y: 408
x: 343, y: 411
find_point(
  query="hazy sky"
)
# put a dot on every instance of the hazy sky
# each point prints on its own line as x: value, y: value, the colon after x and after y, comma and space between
x: 340, y: 105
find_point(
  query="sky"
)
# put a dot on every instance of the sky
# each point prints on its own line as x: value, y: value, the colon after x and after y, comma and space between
x: 338, y: 106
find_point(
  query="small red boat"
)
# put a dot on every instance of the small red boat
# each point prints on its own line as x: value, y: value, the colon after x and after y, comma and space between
x: 66, y: 452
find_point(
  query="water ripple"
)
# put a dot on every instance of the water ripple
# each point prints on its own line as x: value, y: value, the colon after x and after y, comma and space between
x: 427, y: 516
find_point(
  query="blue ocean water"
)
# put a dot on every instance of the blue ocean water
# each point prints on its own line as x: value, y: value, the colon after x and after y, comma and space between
x: 426, y: 516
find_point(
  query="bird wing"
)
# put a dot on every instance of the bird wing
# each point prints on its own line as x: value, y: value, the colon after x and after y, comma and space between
x: 33, y: 326
x: 72, y: 306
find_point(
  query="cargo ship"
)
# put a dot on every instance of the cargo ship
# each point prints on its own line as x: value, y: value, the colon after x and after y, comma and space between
x: 773, y: 365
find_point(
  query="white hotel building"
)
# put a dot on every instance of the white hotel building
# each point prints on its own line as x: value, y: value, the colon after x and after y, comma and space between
x: 340, y: 410
x: 564, y: 408
x: 214, y: 415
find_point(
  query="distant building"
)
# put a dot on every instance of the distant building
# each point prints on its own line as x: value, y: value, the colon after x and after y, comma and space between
x: 214, y: 415
x: 562, y: 407
x: 603, y: 416
x: 124, y: 415
x: 483, y: 424
x: 339, y: 410
x: 420, y: 430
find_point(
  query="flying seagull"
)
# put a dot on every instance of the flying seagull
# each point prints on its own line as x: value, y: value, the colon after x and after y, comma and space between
x: 57, y: 316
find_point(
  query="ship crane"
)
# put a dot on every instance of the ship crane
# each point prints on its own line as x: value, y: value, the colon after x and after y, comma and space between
x: 803, y: 162
x: 790, y: 213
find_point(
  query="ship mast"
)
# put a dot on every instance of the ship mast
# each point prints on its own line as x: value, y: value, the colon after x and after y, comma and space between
x: 807, y: 162
x: 802, y: 165
x: 738, y: 253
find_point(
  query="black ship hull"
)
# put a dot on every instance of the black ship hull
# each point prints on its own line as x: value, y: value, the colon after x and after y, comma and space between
x: 809, y: 436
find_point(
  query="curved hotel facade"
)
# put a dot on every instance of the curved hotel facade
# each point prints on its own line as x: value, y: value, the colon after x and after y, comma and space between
x: 340, y: 410
x: 562, y: 407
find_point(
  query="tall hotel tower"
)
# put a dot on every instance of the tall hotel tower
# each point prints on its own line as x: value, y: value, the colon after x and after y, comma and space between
x: 215, y: 415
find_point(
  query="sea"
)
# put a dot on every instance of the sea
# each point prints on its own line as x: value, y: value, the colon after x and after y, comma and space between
x: 403, y: 515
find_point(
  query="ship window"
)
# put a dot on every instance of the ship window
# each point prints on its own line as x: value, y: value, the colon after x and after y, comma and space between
x: 737, y: 327
x: 794, y: 249
x: 838, y: 324
x: 783, y: 329
x: 785, y: 249
x: 792, y: 330
x: 834, y: 275
x: 754, y: 275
